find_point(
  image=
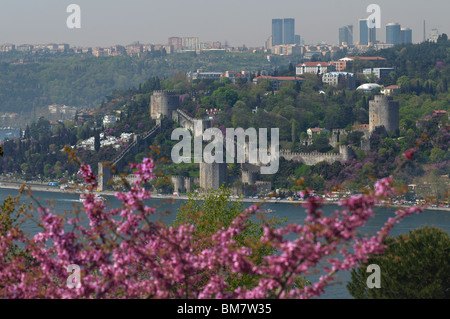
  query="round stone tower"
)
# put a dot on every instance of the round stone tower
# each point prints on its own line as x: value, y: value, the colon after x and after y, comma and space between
x: 162, y: 103
x: 384, y: 111
x: 212, y: 175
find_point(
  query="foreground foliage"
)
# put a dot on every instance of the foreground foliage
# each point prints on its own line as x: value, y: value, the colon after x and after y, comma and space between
x: 414, y: 266
x: 122, y: 253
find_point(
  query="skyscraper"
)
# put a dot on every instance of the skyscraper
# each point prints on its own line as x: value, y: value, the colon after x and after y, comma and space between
x: 363, y: 32
x: 406, y: 35
x: 393, y: 34
x: 346, y: 35
x: 277, y: 31
x: 289, y: 31
x: 373, y: 35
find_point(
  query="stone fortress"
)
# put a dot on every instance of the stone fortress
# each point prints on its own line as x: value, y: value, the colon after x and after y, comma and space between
x: 384, y: 112
x: 383, y: 115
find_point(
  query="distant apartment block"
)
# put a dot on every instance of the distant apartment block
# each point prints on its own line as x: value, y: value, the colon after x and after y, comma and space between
x: 211, y: 45
x: 8, y: 47
x: 341, y: 80
x: 190, y: 43
x: 288, y: 49
x: 204, y: 75
x: 313, y: 67
x: 24, y: 48
x: 218, y: 75
x: 134, y: 49
x: 378, y: 72
x: 176, y: 43
x: 383, y: 45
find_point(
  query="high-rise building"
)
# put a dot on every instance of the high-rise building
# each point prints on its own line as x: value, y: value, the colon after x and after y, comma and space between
x: 373, y: 35
x: 190, y: 43
x: 289, y: 31
x: 346, y: 35
x: 393, y: 33
x: 406, y: 35
x: 176, y: 42
x: 363, y: 32
x: 298, y: 39
x: 277, y: 31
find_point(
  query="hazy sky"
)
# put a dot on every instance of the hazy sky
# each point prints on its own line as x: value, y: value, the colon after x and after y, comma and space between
x: 109, y: 22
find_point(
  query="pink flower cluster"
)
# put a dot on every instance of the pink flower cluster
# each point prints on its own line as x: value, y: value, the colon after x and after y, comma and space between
x: 122, y: 254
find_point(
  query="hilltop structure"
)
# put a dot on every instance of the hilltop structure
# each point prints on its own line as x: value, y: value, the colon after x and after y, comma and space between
x: 383, y: 115
x: 384, y: 112
x: 163, y: 103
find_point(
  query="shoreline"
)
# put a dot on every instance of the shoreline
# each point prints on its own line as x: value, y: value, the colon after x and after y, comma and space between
x: 53, y: 189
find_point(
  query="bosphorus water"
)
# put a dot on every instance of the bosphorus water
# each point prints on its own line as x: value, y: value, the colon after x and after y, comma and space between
x: 293, y: 214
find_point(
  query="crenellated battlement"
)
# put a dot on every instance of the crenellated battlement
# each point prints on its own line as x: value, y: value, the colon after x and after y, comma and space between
x: 164, y: 92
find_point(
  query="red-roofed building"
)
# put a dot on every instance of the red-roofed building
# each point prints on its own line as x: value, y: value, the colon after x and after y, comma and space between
x: 316, y: 130
x: 313, y: 67
x: 339, y: 66
x: 390, y: 90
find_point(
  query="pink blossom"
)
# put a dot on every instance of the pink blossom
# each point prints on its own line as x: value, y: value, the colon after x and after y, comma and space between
x: 123, y: 254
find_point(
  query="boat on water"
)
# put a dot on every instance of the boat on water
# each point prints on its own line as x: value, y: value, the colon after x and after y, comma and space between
x: 97, y: 197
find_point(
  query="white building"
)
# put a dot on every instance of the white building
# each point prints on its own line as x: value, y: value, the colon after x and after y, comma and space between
x: 344, y: 79
x: 378, y: 72
x: 109, y: 120
x: 313, y: 67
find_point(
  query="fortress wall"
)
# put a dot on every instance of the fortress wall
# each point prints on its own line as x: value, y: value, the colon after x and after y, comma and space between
x: 178, y: 184
x: 311, y: 158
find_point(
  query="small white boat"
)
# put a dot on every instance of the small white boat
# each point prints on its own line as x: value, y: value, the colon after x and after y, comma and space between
x: 97, y: 197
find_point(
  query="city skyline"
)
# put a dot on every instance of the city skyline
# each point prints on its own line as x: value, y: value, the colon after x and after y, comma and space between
x: 113, y: 22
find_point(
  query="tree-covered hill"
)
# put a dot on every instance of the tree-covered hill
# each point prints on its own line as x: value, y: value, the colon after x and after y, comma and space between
x: 28, y: 81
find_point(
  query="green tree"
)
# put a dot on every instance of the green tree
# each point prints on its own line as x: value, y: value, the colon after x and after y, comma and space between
x: 212, y: 211
x: 414, y: 265
x: 225, y: 96
x: 437, y: 155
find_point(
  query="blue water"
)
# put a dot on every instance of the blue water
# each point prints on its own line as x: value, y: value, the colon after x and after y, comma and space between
x: 293, y: 213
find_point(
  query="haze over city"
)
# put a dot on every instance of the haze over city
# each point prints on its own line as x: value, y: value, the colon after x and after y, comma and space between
x: 235, y: 22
